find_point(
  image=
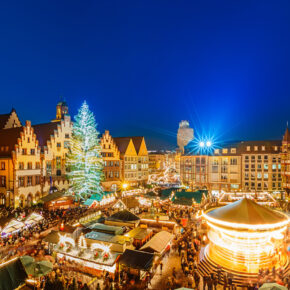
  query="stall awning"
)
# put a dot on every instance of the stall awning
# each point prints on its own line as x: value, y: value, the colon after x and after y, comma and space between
x: 13, y: 226
x: 158, y: 243
x: 12, y: 275
x: 139, y: 233
x: 137, y: 259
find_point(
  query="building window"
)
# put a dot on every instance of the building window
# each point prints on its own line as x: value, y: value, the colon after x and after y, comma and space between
x: 29, y: 165
x: 247, y: 158
x: 37, y: 165
x: 266, y: 175
x: 66, y: 136
x: 20, y: 165
x: 274, y: 166
x: 48, y: 167
x: 2, y: 165
x: 24, y: 151
x: 259, y: 175
x: 263, y: 148
x: 234, y: 161
x: 58, y: 145
x: 225, y: 151
x: 29, y: 180
x: 37, y: 179
x: 2, y: 181
x: 216, y: 151
x: 256, y: 148
x: 265, y: 166
x: 28, y: 140
x: 266, y: 158
x: 233, y: 150
x: 32, y: 151
x: 253, y: 157
x: 21, y: 181
x: 248, y: 148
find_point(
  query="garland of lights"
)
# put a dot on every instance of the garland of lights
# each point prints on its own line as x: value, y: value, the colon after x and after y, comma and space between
x: 84, y: 160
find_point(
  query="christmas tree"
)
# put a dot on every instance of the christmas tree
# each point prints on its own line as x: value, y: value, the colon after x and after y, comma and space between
x: 84, y: 160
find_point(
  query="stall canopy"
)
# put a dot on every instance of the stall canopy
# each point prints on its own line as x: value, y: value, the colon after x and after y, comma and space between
x: 33, y: 219
x: 139, y: 233
x: 12, y: 275
x: 12, y: 226
x: 137, y: 259
x: 158, y: 243
x: 124, y: 215
x: 111, y: 230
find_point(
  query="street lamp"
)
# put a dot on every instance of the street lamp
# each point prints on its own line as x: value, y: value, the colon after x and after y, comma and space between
x: 208, y: 143
x: 201, y: 144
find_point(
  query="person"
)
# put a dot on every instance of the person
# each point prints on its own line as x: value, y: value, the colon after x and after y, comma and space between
x: 161, y: 267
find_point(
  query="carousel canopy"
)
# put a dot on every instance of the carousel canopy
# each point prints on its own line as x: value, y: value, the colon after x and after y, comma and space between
x: 246, y: 211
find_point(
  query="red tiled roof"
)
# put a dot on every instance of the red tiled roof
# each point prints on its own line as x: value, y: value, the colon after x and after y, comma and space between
x: 137, y: 142
x: 122, y: 143
x: 44, y: 131
x: 3, y: 120
x: 8, y: 140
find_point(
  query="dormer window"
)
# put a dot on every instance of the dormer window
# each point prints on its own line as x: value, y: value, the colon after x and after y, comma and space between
x: 248, y: 148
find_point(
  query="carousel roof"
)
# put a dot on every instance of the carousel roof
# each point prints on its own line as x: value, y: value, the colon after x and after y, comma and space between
x: 246, y: 211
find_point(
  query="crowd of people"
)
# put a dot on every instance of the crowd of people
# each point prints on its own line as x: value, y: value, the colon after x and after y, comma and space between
x: 187, y: 249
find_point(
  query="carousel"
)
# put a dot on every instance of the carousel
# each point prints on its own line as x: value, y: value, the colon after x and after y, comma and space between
x: 245, y: 237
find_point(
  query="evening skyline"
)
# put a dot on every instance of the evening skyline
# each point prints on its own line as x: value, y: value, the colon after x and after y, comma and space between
x: 143, y: 67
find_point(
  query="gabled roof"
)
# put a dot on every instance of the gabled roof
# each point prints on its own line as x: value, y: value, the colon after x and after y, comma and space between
x: 137, y: 259
x: 159, y: 242
x: 12, y: 274
x: 8, y: 140
x: 44, y: 132
x: 124, y: 215
x: 137, y: 140
x: 122, y: 143
x: 3, y: 120
x: 286, y: 136
x: 246, y: 211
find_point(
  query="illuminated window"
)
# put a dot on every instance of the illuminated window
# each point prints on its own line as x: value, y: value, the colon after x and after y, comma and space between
x: 225, y: 151
x: 248, y: 148
x: 233, y: 150
x: 263, y: 148
x: 256, y: 148
x: 2, y: 165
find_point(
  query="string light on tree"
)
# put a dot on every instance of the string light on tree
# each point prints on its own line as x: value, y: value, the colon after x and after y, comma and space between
x: 84, y: 159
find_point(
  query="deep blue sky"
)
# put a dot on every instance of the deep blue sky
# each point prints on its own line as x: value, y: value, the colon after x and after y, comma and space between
x: 145, y: 65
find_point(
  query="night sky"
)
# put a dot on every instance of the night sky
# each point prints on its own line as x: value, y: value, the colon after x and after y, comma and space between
x: 145, y: 65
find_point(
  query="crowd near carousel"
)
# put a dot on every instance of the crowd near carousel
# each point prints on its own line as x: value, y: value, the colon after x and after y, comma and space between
x: 166, y: 239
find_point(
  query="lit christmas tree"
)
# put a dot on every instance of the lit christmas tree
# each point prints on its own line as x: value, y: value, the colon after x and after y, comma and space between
x: 84, y: 160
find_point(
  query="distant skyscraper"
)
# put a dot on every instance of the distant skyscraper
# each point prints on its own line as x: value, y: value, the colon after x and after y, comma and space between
x: 184, y: 135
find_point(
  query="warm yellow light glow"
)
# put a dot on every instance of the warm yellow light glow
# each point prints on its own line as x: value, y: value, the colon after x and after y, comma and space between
x: 124, y: 185
x: 248, y: 226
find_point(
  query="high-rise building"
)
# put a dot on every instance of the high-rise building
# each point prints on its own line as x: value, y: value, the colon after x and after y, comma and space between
x: 184, y: 135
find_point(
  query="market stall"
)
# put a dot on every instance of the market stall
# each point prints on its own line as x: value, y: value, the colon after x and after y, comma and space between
x: 159, y: 244
x: 137, y: 263
x: 33, y: 219
x: 13, y: 226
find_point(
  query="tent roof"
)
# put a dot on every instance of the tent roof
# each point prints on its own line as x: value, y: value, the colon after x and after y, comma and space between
x: 12, y: 274
x: 137, y: 259
x: 101, y: 228
x: 139, y: 233
x: 124, y: 215
x: 246, y: 211
x: 54, y: 196
x: 158, y: 242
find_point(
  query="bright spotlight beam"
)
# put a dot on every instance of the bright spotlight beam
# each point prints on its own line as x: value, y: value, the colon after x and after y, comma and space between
x: 208, y: 143
x: 201, y: 144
